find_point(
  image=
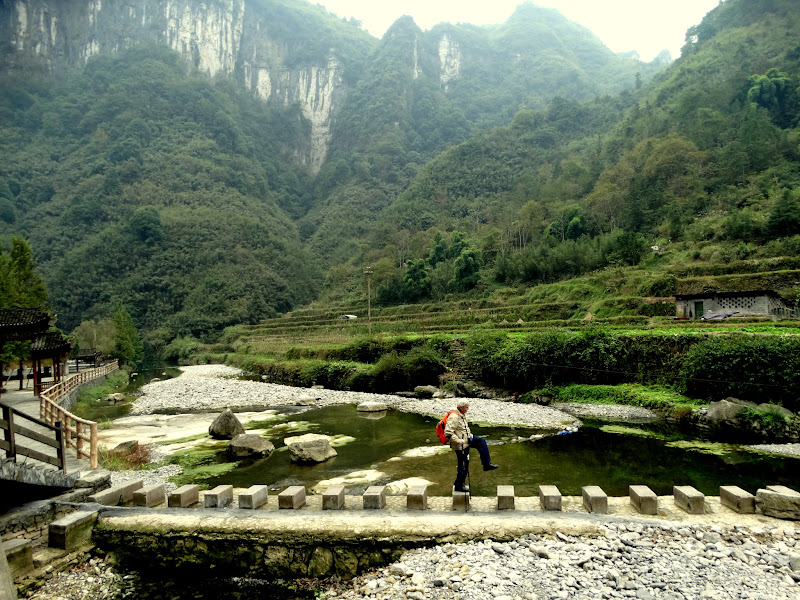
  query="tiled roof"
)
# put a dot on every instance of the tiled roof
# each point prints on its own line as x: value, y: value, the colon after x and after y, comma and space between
x: 22, y: 323
x: 50, y: 343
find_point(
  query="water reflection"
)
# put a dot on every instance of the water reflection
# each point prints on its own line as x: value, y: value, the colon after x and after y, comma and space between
x: 589, y: 457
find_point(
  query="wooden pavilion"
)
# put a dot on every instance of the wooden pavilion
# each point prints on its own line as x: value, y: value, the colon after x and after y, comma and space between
x: 31, y: 324
x: 49, y: 346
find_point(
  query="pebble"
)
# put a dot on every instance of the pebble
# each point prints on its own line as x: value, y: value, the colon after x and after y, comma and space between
x: 668, y: 567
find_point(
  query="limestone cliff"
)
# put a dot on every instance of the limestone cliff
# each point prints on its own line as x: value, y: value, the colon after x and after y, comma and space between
x: 219, y: 37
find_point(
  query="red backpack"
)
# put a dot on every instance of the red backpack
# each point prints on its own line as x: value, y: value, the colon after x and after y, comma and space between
x: 441, y: 425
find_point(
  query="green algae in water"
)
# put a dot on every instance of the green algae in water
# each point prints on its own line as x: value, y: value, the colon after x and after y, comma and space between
x: 623, y: 430
x: 715, y: 448
x: 590, y: 456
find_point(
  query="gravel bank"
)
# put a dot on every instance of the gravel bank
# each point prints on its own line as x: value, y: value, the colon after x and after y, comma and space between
x: 631, y: 560
x: 214, y: 387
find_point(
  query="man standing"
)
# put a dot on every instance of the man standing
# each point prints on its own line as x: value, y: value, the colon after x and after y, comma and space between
x: 461, y: 440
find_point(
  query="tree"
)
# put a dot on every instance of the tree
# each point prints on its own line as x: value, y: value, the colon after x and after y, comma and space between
x: 98, y: 335
x: 784, y: 220
x: 146, y: 225
x: 127, y: 344
x: 466, y: 269
x: 439, y: 251
x: 417, y: 281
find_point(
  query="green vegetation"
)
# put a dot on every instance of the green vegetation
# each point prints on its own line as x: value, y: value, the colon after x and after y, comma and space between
x: 137, y: 458
x: 88, y: 404
x: 631, y: 394
x: 199, y: 465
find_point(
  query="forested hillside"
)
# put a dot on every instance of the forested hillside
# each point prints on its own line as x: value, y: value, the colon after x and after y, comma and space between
x: 183, y: 184
x: 704, y: 158
x: 137, y: 181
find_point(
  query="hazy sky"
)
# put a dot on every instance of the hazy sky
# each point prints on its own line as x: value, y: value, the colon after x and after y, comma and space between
x: 647, y: 26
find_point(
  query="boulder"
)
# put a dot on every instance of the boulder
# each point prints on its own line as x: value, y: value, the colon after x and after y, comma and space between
x: 371, y: 406
x: 309, y: 448
x: 114, y: 398
x: 775, y: 408
x: 726, y: 411
x: 125, y: 448
x: 779, y: 502
x: 425, y: 391
x: 226, y: 426
x: 249, y: 444
x: 461, y: 389
x: 306, y: 400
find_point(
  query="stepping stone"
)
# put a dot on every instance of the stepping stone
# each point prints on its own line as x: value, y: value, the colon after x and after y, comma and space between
x: 689, y: 499
x: 549, y: 497
x: 779, y: 501
x: 375, y: 497
x: 254, y: 497
x: 19, y: 555
x: 119, y: 494
x: 150, y: 495
x: 219, y: 497
x: 292, y: 497
x: 505, y: 497
x: 595, y: 499
x: 184, y: 496
x: 417, y: 498
x: 333, y: 498
x: 460, y: 500
x: 71, y: 531
x: 643, y: 499
x: 737, y: 499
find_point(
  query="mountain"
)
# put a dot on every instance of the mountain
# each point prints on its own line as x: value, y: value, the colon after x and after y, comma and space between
x: 206, y: 162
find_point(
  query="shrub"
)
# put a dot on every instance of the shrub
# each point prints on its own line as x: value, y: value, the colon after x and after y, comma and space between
x: 748, y: 367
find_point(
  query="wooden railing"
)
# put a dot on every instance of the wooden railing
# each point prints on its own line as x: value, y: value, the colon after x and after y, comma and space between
x: 10, y: 425
x: 76, y: 430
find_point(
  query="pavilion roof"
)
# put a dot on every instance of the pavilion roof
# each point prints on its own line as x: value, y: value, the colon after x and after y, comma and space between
x: 23, y: 323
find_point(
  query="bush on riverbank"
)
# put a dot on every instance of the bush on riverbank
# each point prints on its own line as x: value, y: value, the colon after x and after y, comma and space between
x: 656, y: 398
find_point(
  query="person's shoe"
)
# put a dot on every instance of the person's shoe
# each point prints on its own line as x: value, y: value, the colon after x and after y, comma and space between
x: 490, y: 467
x: 461, y: 488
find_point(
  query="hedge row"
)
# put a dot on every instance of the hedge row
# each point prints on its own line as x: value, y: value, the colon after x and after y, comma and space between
x: 757, y: 368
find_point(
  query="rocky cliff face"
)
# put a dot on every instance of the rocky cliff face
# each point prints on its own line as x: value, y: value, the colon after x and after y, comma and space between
x: 223, y: 37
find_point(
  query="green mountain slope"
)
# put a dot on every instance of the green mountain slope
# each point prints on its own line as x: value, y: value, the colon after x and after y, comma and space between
x: 136, y: 181
x: 706, y: 153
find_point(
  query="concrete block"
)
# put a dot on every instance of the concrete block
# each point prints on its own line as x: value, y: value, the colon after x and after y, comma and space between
x: 99, y: 478
x: 72, y: 530
x: 689, y: 499
x: 737, y: 499
x: 150, y: 495
x: 292, y: 497
x: 417, y: 497
x: 549, y: 497
x: 375, y: 497
x: 643, y: 499
x: 333, y: 498
x: 219, y: 497
x: 782, y: 489
x: 184, y: 496
x: 595, y: 499
x: 119, y: 494
x: 19, y: 554
x: 254, y: 497
x: 779, y: 501
x: 505, y: 497
x: 460, y: 500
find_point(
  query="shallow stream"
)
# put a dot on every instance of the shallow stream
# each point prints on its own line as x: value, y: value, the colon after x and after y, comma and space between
x: 612, y: 457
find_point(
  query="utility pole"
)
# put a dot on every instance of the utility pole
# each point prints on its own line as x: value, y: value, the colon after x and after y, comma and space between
x: 368, y: 273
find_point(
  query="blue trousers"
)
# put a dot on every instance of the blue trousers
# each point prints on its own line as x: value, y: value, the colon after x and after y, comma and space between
x: 462, y: 458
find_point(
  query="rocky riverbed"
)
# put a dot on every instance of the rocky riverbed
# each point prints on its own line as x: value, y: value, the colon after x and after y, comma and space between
x: 634, y: 558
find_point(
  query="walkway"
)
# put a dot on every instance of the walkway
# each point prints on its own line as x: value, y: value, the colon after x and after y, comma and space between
x: 26, y: 402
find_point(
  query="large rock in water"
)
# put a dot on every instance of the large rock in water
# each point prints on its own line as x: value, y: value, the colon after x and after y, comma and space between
x: 371, y: 406
x: 249, y: 444
x: 726, y: 411
x: 226, y: 426
x: 309, y: 448
x: 779, y: 501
